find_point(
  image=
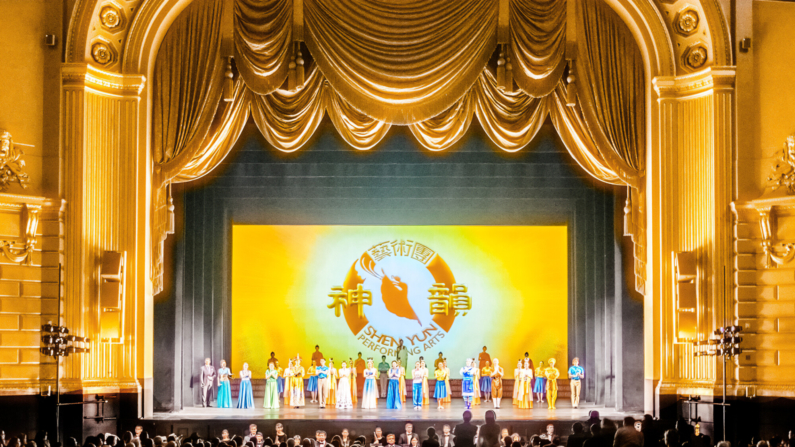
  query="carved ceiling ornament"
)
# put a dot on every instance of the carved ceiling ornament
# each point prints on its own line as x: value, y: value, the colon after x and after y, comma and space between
x: 102, y: 53
x: 695, y: 56
x: 686, y: 21
x: 111, y: 17
x: 11, y: 163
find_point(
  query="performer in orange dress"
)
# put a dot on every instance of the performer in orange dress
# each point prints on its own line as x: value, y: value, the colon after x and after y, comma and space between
x: 402, y: 381
x: 476, y: 396
x: 517, y: 382
x: 354, y: 386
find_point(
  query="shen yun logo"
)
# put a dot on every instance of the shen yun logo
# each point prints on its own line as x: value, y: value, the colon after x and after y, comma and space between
x: 396, y: 290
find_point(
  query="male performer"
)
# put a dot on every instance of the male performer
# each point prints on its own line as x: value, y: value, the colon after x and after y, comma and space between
x: 438, y: 360
x: 447, y: 439
x: 207, y: 376
x: 273, y: 359
x: 322, y: 385
x: 317, y: 355
x: 383, y: 369
x: 576, y: 374
x: 402, y: 354
x: 405, y: 438
x: 552, y: 375
x: 483, y: 357
x: 360, y: 366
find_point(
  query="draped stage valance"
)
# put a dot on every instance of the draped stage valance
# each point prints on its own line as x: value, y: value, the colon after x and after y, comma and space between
x: 378, y: 63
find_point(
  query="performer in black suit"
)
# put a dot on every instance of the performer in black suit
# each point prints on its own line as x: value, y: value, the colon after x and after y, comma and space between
x: 207, y: 376
x: 405, y: 438
x: 447, y: 439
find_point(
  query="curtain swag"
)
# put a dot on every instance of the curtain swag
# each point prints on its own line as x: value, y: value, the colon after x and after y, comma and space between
x: 379, y: 63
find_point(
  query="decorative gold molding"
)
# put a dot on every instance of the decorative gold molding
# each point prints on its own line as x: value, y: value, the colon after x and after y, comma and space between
x: 111, y: 17
x: 695, y: 56
x: 686, y: 21
x: 22, y: 254
x: 11, y: 163
x: 694, y: 84
x: 93, y: 78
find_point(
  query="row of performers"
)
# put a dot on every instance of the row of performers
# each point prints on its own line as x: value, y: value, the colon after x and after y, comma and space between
x: 329, y: 386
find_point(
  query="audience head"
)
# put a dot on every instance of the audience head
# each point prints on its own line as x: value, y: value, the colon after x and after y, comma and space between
x: 491, y: 417
x: 467, y: 416
x: 390, y: 439
x: 671, y: 437
x: 596, y: 429
x: 431, y: 432
x: 320, y: 436
x: 409, y: 427
x: 446, y: 429
x: 577, y: 428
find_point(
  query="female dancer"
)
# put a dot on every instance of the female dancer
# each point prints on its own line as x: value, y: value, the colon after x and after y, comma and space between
x: 354, y: 391
x: 297, y: 384
x: 344, y: 400
x: 280, y: 381
x: 540, y: 387
x: 468, y: 383
x: 496, y: 383
x: 440, y: 390
x: 245, y: 397
x: 370, y: 390
x: 272, y: 386
x: 393, y: 393
x: 449, y: 398
x: 476, y: 378
x: 332, y: 384
x: 224, y: 390
x: 485, y: 381
x: 416, y: 389
x: 288, y: 383
x: 402, y: 381
x: 517, y: 382
x: 526, y: 396
x: 311, y: 384
x: 426, y: 391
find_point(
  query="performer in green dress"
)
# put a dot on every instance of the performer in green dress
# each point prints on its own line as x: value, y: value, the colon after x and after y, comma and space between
x: 272, y: 386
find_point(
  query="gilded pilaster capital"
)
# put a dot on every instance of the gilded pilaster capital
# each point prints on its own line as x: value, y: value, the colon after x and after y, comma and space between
x: 695, y: 84
x: 86, y: 76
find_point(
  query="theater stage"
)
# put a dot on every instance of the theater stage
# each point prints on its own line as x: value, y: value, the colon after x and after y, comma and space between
x: 304, y: 421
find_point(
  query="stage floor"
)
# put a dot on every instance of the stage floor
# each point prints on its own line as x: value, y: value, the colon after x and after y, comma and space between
x: 508, y: 412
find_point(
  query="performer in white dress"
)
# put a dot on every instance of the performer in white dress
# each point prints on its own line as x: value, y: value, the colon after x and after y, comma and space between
x: 370, y: 391
x: 344, y: 398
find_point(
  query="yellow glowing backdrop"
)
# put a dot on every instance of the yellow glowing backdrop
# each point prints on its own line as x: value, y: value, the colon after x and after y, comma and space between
x: 350, y: 289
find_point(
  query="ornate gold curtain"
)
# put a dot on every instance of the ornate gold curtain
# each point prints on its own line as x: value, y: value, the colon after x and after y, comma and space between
x: 409, y: 62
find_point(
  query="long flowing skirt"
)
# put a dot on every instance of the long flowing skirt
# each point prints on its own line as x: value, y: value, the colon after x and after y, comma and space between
x: 344, y: 399
x: 426, y: 392
x: 526, y: 395
x: 449, y: 397
x: 393, y: 395
x: 224, y: 395
x: 541, y: 385
x: 440, y: 391
x: 416, y: 392
x: 332, y: 392
x: 517, y: 383
x: 297, y: 393
x: 403, y: 389
x: 245, y: 397
x: 288, y: 391
x: 311, y: 384
x: 496, y: 388
x: 485, y: 384
x: 354, y: 392
x: 476, y: 390
x: 271, y: 393
x: 280, y: 382
x: 467, y: 387
x: 370, y: 394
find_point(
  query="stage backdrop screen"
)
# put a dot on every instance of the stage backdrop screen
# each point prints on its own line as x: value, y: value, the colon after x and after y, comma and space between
x: 350, y: 289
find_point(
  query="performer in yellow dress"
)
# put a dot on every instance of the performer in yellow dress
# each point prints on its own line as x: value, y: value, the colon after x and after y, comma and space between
x: 426, y: 392
x: 332, y: 384
x: 288, y: 382
x: 517, y: 382
x: 476, y: 396
x: 297, y: 386
x: 402, y: 383
x: 354, y: 387
x: 552, y: 375
x: 526, y: 390
x: 440, y: 390
x: 485, y: 381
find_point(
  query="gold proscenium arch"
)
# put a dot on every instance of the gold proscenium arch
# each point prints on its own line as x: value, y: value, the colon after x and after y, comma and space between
x: 106, y: 109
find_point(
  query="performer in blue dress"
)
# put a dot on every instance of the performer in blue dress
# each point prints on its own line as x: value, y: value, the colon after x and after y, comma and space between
x: 393, y: 394
x: 540, y: 386
x: 280, y: 379
x: 468, y: 383
x: 311, y: 384
x: 485, y: 381
x: 224, y: 390
x: 245, y: 397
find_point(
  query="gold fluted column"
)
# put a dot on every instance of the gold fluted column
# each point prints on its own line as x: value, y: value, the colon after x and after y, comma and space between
x: 689, y: 212
x: 100, y: 134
